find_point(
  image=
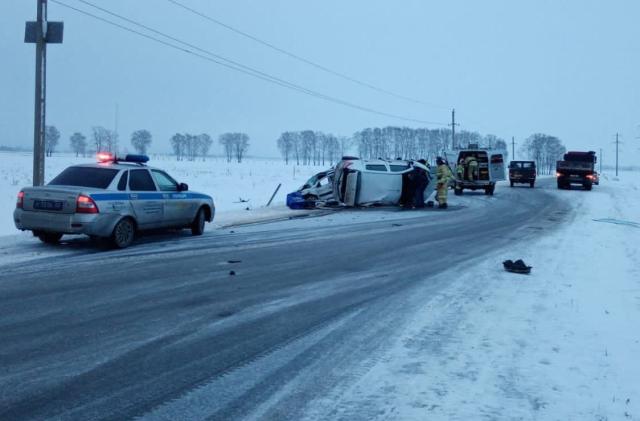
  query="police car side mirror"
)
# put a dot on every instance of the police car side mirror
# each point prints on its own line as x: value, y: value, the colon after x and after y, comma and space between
x: 183, y: 187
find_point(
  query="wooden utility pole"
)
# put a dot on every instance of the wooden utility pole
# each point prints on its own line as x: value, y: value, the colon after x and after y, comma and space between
x: 41, y: 93
x: 513, y: 148
x: 453, y: 129
x: 41, y: 32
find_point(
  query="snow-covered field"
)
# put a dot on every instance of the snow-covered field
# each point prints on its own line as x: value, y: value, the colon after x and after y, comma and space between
x: 230, y: 184
x: 559, y: 344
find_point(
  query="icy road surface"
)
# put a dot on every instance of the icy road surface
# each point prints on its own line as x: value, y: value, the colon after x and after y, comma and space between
x: 310, y: 326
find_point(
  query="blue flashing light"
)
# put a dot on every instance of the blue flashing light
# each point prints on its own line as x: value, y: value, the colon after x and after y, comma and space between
x: 141, y: 159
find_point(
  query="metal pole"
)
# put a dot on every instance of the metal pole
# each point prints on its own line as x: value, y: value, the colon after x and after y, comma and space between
x: 453, y: 129
x: 274, y: 194
x: 513, y: 147
x: 40, y: 98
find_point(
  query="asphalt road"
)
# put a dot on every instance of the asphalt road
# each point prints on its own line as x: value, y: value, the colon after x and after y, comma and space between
x: 163, y: 330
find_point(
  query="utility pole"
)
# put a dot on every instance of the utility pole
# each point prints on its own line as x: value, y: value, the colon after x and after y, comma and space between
x: 513, y: 148
x: 41, y: 95
x: 453, y: 129
x: 41, y: 32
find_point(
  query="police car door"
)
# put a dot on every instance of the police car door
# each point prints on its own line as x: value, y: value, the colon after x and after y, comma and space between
x: 178, y: 209
x: 146, y: 201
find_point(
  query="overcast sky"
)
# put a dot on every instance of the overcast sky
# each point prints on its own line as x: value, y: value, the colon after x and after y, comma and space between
x: 566, y: 68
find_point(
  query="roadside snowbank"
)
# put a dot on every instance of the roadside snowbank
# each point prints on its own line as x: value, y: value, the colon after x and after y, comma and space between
x: 561, y: 343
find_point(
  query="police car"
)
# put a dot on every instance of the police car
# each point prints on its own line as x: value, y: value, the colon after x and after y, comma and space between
x: 114, y: 198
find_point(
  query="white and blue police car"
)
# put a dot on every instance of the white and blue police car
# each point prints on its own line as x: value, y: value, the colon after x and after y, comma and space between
x: 114, y: 199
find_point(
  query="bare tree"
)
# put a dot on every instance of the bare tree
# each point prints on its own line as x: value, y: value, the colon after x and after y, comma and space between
x: 545, y: 150
x: 51, y: 138
x: 78, y: 143
x: 204, y: 144
x: 286, y: 145
x: 226, y: 140
x: 141, y: 139
x: 240, y: 145
x: 178, y: 143
x: 104, y: 140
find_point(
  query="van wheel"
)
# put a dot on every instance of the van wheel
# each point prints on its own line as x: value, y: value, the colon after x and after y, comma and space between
x: 197, y: 226
x: 511, y: 182
x: 123, y: 233
x: 49, y: 237
x: 587, y: 186
x: 533, y: 183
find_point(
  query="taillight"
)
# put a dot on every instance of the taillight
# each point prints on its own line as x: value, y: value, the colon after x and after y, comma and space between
x: 85, y: 204
x: 558, y: 174
x: 590, y: 177
x: 20, y: 201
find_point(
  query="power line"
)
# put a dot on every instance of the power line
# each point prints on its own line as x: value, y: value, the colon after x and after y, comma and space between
x: 230, y: 64
x: 304, y: 60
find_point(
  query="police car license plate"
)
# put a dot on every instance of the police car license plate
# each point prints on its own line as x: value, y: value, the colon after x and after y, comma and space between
x: 53, y: 205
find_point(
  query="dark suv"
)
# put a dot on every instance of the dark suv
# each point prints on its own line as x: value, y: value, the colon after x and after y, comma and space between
x: 522, y: 172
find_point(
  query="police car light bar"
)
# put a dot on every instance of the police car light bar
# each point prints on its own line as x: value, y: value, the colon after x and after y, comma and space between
x: 111, y: 157
x: 141, y: 159
x: 105, y: 157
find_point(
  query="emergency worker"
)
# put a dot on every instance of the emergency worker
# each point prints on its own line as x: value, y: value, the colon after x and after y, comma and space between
x: 460, y: 169
x: 444, y: 175
x: 421, y: 181
x: 472, y: 167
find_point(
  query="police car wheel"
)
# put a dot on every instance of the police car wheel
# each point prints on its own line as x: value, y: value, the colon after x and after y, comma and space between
x: 49, y: 237
x: 197, y: 226
x: 123, y: 233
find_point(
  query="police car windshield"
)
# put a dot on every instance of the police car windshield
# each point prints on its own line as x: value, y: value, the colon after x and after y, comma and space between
x: 98, y: 178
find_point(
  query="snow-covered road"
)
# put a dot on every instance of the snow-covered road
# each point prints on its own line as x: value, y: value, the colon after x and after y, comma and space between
x: 559, y: 344
x: 359, y: 315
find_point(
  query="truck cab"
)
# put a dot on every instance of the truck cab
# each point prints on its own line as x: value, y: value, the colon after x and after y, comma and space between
x: 483, y: 175
x: 577, y: 168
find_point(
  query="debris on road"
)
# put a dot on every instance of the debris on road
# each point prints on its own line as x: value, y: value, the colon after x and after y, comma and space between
x: 516, y: 267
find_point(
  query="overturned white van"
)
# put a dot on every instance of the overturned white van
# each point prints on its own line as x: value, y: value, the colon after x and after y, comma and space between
x: 359, y: 182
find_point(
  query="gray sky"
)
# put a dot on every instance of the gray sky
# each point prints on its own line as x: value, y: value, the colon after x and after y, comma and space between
x: 566, y: 68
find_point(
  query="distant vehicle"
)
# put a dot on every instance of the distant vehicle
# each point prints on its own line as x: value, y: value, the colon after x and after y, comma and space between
x: 523, y: 172
x: 357, y: 182
x: 113, y: 199
x: 577, y: 168
x: 490, y: 170
x: 596, y: 178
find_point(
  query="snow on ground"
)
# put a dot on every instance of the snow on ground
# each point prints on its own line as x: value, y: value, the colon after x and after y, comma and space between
x: 559, y: 344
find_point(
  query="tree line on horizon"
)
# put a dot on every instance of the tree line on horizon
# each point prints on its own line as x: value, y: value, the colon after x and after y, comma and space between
x: 308, y: 147
x: 185, y: 146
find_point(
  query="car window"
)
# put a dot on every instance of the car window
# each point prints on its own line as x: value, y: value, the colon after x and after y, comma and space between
x: 140, y: 180
x: 164, y: 181
x: 398, y: 168
x: 376, y: 167
x: 98, y: 178
x: 122, y: 184
x: 527, y: 165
